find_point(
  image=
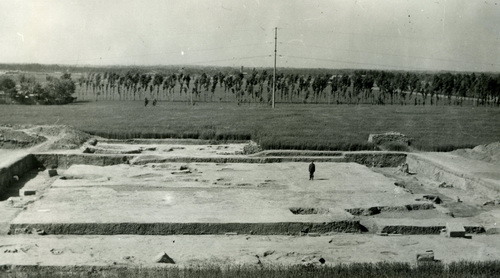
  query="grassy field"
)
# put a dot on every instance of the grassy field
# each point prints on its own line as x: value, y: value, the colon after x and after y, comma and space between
x: 289, y: 126
x: 384, y: 269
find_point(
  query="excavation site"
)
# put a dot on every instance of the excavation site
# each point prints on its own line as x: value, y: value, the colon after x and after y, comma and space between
x: 92, y: 201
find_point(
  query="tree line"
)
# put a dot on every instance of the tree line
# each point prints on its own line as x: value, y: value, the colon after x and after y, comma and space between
x: 256, y: 86
x: 29, y: 91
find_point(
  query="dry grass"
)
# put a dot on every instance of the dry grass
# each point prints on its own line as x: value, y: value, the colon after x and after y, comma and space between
x: 382, y: 269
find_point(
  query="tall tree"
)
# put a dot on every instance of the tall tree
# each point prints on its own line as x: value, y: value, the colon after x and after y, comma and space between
x: 157, y: 82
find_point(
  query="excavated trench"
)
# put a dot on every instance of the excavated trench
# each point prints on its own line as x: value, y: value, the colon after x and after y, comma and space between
x: 371, y: 159
x: 12, y: 172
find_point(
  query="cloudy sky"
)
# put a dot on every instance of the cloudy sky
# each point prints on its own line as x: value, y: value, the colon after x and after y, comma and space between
x: 381, y: 34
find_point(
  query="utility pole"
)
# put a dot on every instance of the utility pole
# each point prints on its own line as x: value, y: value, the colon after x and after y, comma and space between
x: 275, y: 50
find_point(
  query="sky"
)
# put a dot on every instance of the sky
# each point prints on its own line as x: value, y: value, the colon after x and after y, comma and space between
x: 453, y: 35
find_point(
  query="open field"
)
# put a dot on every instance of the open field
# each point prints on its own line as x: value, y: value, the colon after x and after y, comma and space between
x: 290, y: 126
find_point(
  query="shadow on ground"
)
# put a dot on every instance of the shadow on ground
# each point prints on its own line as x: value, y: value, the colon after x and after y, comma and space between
x: 13, y: 189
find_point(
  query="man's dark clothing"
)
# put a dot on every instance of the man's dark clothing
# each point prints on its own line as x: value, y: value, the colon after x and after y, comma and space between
x: 312, y: 168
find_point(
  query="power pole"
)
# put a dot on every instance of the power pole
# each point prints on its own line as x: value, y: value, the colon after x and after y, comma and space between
x: 275, y: 50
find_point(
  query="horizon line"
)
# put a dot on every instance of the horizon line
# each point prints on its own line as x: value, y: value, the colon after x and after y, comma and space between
x: 236, y: 67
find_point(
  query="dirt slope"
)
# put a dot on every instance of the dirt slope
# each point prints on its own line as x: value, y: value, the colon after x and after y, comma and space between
x: 488, y: 153
x: 56, y: 137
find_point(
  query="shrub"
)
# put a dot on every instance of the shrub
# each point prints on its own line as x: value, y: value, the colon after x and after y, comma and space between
x: 7, y: 84
x: 55, y: 91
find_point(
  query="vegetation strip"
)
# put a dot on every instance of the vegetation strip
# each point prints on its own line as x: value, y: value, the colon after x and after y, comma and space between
x: 290, y: 126
x: 381, y: 269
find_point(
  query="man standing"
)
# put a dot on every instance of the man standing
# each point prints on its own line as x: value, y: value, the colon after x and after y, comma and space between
x: 312, y: 168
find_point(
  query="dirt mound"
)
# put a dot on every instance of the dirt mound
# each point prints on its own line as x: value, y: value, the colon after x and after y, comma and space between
x: 15, y: 139
x: 487, y: 153
x: 61, y: 137
x: 389, y: 137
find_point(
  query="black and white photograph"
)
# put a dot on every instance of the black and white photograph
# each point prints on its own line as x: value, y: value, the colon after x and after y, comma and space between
x: 249, y: 138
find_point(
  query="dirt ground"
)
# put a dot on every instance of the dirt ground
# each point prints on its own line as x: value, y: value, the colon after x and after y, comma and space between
x: 242, y: 193
x: 237, y: 192
x: 188, y: 250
